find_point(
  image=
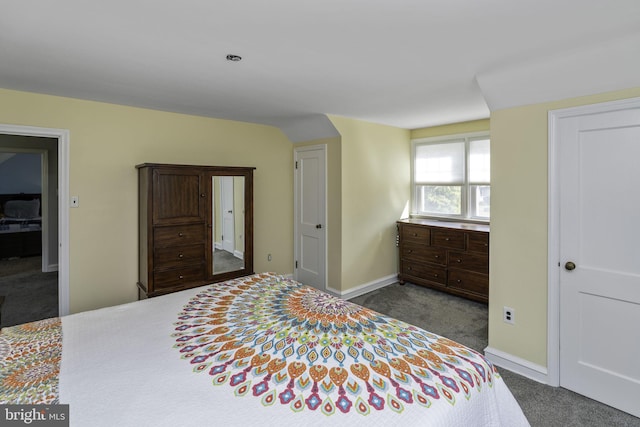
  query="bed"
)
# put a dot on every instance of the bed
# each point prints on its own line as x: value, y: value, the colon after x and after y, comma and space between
x: 20, y: 225
x: 259, y: 350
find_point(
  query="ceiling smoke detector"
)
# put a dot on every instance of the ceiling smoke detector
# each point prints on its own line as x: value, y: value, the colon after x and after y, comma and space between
x: 234, y: 58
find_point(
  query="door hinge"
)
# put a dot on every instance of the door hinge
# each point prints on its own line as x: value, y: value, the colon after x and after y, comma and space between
x: 296, y: 164
x: 296, y: 264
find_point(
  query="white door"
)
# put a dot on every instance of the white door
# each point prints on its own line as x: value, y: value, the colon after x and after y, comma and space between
x: 310, y: 225
x: 226, y: 204
x: 599, y: 229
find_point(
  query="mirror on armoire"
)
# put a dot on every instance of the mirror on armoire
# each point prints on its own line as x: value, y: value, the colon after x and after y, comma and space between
x: 227, y: 223
x: 230, y: 243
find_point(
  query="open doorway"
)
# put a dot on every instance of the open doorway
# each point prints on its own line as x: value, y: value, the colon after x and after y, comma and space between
x: 28, y: 229
x: 29, y: 262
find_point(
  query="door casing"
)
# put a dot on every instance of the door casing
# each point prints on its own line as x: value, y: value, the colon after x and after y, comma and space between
x: 62, y: 135
x: 297, y: 202
x: 554, y: 262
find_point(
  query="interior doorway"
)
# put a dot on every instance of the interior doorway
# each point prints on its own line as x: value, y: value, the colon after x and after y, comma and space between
x: 310, y: 226
x: 57, y: 222
x: 28, y: 242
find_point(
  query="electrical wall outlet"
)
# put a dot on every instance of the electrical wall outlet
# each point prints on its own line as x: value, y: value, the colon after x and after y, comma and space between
x: 509, y: 315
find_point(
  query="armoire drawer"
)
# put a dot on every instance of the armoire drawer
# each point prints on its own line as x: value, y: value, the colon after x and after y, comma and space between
x: 175, y: 256
x: 429, y: 272
x: 423, y: 253
x: 179, y: 234
x: 175, y: 277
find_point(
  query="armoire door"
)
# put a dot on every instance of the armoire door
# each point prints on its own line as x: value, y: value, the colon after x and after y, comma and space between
x: 178, y: 196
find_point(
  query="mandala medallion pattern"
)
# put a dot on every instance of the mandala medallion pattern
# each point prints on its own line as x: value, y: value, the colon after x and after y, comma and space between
x: 276, y: 340
x: 30, y: 362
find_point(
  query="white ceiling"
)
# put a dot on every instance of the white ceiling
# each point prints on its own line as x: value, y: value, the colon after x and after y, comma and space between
x: 406, y: 63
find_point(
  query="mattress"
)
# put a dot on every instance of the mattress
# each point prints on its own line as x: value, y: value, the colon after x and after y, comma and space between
x: 259, y: 350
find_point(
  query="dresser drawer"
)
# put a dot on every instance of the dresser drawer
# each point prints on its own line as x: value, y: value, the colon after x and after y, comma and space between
x: 471, y: 282
x: 176, y: 277
x: 175, y: 256
x: 423, y: 253
x: 469, y: 261
x: 415, y: 234
x: 447, y: 238
x: 424, y: 271
x: 478, y: 242
x: 179, y: 235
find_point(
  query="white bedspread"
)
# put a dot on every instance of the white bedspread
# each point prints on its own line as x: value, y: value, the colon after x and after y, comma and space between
x: 120, y: 367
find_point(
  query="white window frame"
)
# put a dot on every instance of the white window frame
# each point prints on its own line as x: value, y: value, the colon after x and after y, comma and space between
x: 466, y: 138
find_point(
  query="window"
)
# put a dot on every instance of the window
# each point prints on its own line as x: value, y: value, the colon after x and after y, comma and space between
x: 451, y: 177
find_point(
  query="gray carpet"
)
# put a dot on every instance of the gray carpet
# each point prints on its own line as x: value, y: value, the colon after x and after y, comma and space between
x: 466, y: 322
x: 226, y: 261
x: 29, y: 294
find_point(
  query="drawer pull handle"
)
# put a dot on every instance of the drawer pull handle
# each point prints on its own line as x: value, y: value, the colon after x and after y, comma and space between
x: 415, y: 234
x: 203, y: 195
x: 447, y: 239
x: 458, y: 260
x: 409, y: 251
x: 486, y: 244
x: 180, y: 235
x: 180, y: 256
x: 458, y: 281
x: 437, y: 256
x: 435, y: 275
x: 181, y: 277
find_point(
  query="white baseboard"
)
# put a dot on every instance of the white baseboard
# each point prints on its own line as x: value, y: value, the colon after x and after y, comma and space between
x: 516, y: 364
x: 51, y: 267
x: 238, y: 254
x: 365, y: 288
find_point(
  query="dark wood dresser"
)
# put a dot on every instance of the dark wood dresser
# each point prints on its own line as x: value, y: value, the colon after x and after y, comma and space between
x: 449, y: 256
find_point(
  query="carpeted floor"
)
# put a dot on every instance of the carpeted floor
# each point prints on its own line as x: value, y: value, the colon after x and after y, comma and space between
x: 29, y: 294
x: 466, y: 322
x: 226, y: 261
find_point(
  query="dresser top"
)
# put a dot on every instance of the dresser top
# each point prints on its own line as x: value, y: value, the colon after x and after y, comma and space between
x: 446, y: 224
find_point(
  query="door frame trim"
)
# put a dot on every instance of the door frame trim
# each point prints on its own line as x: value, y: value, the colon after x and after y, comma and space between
x: 553, y: 228
x: 62, y: 135
x: 296, y: 209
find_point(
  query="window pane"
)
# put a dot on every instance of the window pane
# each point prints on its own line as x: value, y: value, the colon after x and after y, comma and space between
x: 480, y: 201
x: 479, y: 161
x: 441, y: 200
x: 440, y: 163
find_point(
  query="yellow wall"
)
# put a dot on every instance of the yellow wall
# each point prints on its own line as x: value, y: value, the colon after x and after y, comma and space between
x: 107, y: 141
x: 375, y: 192
x: 518, y: 257
x: 451, y: 129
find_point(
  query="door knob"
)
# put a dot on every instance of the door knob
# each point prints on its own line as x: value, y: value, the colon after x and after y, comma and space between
x: 319, y: 226
x: 570, y: 266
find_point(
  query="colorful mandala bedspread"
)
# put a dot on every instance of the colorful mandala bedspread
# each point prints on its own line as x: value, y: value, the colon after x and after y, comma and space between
x: 30, y: 362
x: 284, y: 343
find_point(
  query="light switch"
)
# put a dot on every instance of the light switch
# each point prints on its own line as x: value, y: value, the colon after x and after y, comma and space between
x: 75, y: 201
